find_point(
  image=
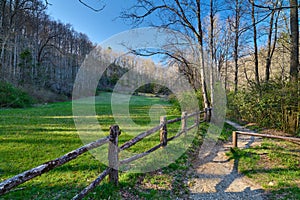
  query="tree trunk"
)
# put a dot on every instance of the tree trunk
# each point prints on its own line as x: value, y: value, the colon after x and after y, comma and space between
x: 236, y: 45
x: 202, y: 70
x: 294, y: 56
x: 268, y: 60
x: 294, y: 64
x: 212, y: 53
x: 255, y: 44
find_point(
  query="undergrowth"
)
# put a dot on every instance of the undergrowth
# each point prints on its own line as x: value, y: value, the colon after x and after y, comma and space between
x: 12, y: 97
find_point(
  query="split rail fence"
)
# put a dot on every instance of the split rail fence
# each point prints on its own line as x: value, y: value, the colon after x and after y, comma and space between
x: 113, y: 153
x: 236, y: 133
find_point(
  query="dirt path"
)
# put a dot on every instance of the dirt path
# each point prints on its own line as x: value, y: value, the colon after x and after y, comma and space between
x: 217, y: 177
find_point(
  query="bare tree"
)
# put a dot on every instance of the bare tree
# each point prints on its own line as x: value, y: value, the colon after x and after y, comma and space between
x: 212, y: 51
x: 183, y: 16
x: 273, y: 28
x: 294, y: 64
x: 236, y: 27
x: 255, y: 42
x: 294, y: 34
x: 237, y: 30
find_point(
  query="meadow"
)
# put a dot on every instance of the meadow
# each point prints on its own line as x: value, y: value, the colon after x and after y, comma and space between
x: 32, y: 136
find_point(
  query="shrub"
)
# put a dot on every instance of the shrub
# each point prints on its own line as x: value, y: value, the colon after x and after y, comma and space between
x: 185, y: 99
x: 264, y: 104
x: 13, y: 97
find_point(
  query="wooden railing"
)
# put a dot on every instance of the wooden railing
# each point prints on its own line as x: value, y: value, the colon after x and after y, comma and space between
x: 236, y: 133
x: 113, y: 153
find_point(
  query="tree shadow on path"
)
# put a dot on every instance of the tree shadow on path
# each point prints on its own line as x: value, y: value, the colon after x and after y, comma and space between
x: 218, y: 178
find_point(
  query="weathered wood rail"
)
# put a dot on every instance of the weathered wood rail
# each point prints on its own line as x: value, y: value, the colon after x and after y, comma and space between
x: 8, y: 184
x: 236, y: 133
x: 113, y: 153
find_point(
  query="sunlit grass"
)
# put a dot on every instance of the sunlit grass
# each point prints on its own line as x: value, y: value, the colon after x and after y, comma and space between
x: 275, y: 165
x: 32, y: 136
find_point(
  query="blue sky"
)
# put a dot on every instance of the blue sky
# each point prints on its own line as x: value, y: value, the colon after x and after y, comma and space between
x: 97, y: 25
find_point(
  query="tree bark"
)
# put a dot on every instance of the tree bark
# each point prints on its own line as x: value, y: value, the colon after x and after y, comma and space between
x: 294, y: 56
x: 294, y: 65
x: 202, y: 70
x: 113, y: 154
x: 255, y: 43
x: 236, y: 44
x: 212, y: 52
x: 271, y: 48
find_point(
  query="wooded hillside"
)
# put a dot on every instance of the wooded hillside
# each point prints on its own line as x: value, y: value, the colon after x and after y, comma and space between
x: 37, y: 50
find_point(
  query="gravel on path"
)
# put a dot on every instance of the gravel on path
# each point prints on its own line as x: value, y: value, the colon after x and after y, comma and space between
x: 217, y: 177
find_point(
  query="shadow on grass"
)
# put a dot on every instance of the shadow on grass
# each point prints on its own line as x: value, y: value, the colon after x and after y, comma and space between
x: 41, y: 141
x: 273, y: 170
x: 42, y: 191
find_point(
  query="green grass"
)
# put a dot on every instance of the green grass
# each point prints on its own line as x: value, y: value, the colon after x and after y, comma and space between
x: 32, y: 136
x: 275, y: 165
x: 167, y: 183
x: 226, y: 132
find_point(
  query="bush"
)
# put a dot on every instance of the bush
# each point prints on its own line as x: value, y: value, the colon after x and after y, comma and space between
x: 13, y: 97
x: 264, y: 104
x: 185, y: 100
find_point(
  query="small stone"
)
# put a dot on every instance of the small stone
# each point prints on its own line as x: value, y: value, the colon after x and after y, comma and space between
x: 271, y: 183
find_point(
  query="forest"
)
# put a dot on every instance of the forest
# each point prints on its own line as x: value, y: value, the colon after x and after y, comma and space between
x: 251, y: 46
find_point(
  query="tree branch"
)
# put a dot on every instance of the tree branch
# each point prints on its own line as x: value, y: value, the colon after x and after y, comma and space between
x: 273, y: 8
x: 91, y: 7
x: 47, y: 3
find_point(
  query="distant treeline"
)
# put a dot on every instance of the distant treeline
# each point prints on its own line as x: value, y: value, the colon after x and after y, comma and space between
x: 38, y: 50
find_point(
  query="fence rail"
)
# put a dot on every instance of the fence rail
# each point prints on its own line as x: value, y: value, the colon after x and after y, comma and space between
x: 113, y: 153
x: 236, y: 133
x: 11, y: 183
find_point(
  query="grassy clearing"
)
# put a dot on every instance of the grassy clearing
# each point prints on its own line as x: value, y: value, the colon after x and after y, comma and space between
x: 275, y: 165
x: 32, y: 136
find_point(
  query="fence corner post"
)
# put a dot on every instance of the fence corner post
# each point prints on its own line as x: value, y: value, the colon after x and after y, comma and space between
x: 184, y: 122
x: 163, y: 131
x: 234, y: 139
x: 113, y: 154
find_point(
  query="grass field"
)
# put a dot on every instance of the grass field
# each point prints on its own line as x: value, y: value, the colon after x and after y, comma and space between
x: 32, y: 136
x: 275, y: 165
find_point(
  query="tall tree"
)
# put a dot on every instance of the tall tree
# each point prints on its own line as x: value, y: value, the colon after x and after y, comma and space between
x: 255, y: 42
x: 273, y: 28
x: 294, y: 64
x: 236, y: 25
x: 183, y: 16
x: 212, y: 51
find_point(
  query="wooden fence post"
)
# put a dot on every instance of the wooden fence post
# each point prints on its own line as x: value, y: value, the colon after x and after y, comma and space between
x: 163, y: 131
x: 234, y: 139
x: 113, y: 154
x: 184, y: 122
